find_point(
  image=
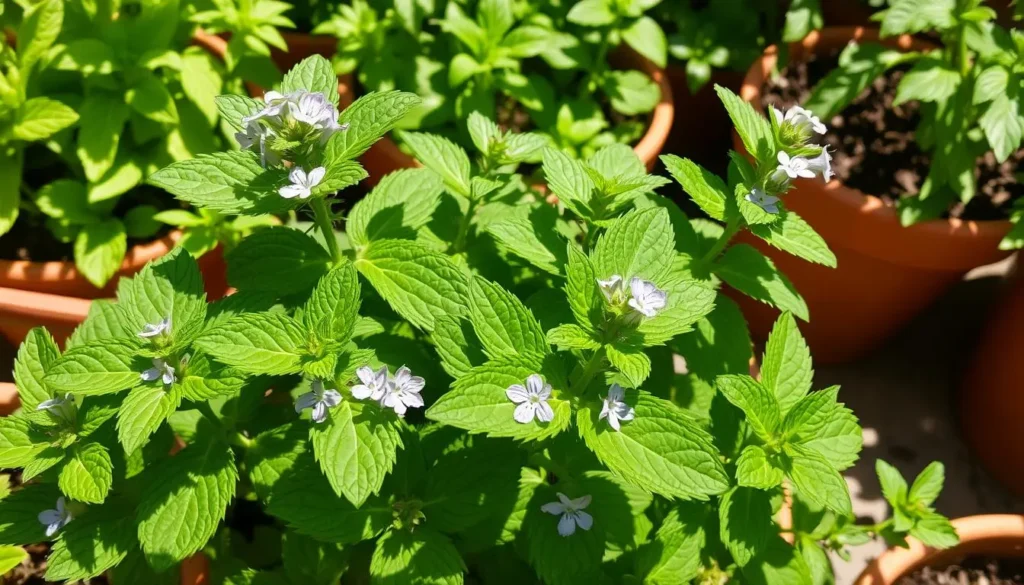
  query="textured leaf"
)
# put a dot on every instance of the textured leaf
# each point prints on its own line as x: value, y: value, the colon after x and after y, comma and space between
x: 19, y: 443
x: 640, y: 243
x: 257, y: 343
x: 19, y: 514
x: 778, y: 564
x: 825, y: 425
x: 233, y: 108
x: 631, y: 361
x: 315, y: 74
x: 794, y: 235
x: 142, y: 412
x: 928, y: 485
x: 356, y: 447
x: 419, y: 283
x: 443, y: 157
x: 169, y: 287
x: 661, y: 450
x: 745, y: 520
x: 231, y: 182
x: 280, y: 260
x: 745, y: 269
x: 816, y: 479
x: 35, y: 356
x: 87, y: 474
x: 333, y: 307
x: 929, y: 80
x: 92, y: 543
x: 1003, y: 126
x: 585, y: 299
x: 401, y: 203
x: 97, y: 368
x: 756, y: 402
x: 466, y: 486
x: 753, y: 128
x: 104, y: 321
x: 568, y: 180
x: 935, y: 530
x: 894, y: 487
x: 41, y: 117
x: 571, y: 336
x: 678, y: 544
x: 457, y: 346
x: 755, y: 469
x: 420, y: 557
x: 706, y: 189
x: 786, y: 369
x: 371, y: 116
x: 502, y: 323
x: 914, y: 16
x: 688, y: 302
x: 533, y: 239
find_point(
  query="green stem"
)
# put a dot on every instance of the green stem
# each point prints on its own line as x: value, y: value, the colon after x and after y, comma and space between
x: 962, y: 56
x: 239, y: 440
x: 460, y: 239
x: 590, y: 369
x: 731, y: 228
x: 322, y: 217
x: 207, y: 412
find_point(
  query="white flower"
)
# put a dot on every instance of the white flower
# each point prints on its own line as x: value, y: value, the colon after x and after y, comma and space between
x: 54, y: 520
x: 794, y: 167
x: 374, y: 384
x: 615, y: 409
x: 572, y: 513
x: 154, y: 329
x: 62, y: 407
x: 319, y: 399
x: 302, y: 184
x: 403, y: 392
x: 273, y: 103
x: 532, y: 400
x: 761, y: 199
x: 647, y: 299
x: 804, y: 121
x: 160, y: 369
x: 252, y: 134
x: 613, y: 288
x: 822, y: 165
x: 313, y: 108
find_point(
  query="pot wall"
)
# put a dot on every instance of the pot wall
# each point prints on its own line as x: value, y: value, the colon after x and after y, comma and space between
x: 886, y: 273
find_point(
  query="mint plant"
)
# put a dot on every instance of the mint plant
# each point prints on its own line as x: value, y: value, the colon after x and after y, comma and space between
x: 969, y: 92
x: 253, y: 25
x: 371, y: 404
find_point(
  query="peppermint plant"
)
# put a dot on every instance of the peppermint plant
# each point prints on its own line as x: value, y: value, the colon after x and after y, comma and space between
x: 372, y: 405
x: 969, y: 91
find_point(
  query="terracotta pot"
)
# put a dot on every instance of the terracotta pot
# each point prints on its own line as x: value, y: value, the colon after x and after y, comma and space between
x: 992, y: 394
x: 385, y: 156
x: 300, y: 46
x: 8, y: 398
x: 886, y: 273
x: 702, y: 132
x: 993, y: 536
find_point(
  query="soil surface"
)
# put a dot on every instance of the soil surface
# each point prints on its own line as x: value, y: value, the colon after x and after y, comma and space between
x: 874, y: 149
x: 973, y: 571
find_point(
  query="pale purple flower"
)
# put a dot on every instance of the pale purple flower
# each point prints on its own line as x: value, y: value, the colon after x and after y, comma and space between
x: 402, y: 392
x: 615, y: 408
x: 761, y: 199
x: 374, y: 384
x: 301, y: 183
x: 153, y: 329
x: 647, y: 299
x: 160, y: 369
x: 319, y: 399
x: 571, y: 512
x: 56, y: 519
x: 802, y: 120
x: 532, y: 400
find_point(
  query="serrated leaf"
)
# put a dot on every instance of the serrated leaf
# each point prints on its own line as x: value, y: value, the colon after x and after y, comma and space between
x: 142, y: 412
x: 585, y: 299
x: 100, y: 367
x: 257, y: 343
x: 826, y: 426
x: 753, y: 129
x: 171, y: 287
x: 35, y: 356
x: 231, y: 183
x: 443, y: 157
x: 87, y: 474
x: 233, y: 108
x: 401, y: 203
x: 661, y: 450
x: 678, y: 544
x: 419, y: 283
x: 748, y: 271
x: 19, y: 514
x: 688, y: 301
x: 935, y: 530
x: 790, y: 233
x: 1003, y: 126
x: 631, y: 361
x: 786, y: 370
x: 777, y: 564
x: 92, y: 543
x: 313, y: 74
x: 914, y: 16
x: 928, y: 485
x: 745, y: 521
x: 533, y: 238
x: 19, y: 443
x: 280, y: 260
x: 571, y: 336
x: 756, y: 402
x: 465, y: 486
x: 420, y: 557
x: 333, y: 307
x: 755, y: 469
x: 707, y: 190
x: 894, y: 487
x: 640, y: 243
x: 816, y: 479
x: 929, y: 80
x: 568, y: 179
x: 457, y: 346
x: 502, y: 323
x: 356, y: 447
x: 104, y: 321
x: 369, y: 118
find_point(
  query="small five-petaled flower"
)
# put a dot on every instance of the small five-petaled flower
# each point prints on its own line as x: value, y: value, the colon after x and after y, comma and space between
x: 802, y: 119
x: 769, y: 203
x: 302, y: 183
x: 374, y: 384
x: 62, y: 407
x: 319, y: 399
x: 56, y: 519
x: 572, y: 513
x: 160, y: 369
x: 532, y: 400
x: 402, y: 392
x: 647, y: 299
x: 615, y: 408
x: 153, y: 329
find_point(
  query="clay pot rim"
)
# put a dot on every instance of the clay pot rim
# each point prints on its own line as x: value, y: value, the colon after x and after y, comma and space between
x: 854, y: 200
x: 994, y: 534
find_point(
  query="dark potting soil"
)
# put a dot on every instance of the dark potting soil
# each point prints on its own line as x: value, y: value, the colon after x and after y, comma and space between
x: 873, y: 146
x: 973, y: 571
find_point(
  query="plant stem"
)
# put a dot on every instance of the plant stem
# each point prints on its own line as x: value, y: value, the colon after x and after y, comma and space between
x: 207, y: 412
x: 731, y: 228
x: 239, y: 440
x: 460, y: 239
x: 590, y: 369
x: 322, y: 217
x: 544, y: 462
x: 962, y: 57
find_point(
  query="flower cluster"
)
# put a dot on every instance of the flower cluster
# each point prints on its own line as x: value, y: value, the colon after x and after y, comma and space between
x: 794, y: 130
x: 287, y: 120
x: 644, y: 297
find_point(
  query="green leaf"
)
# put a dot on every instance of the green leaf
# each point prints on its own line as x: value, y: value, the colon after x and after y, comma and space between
x: 19, y: 514
x: 745, y: 520
x: 786, y: 370
x: 171, y: 286
x: 745, y: 269
x: 99, y: 250
x: 934, y: 530
x: 818, y: 564
x: 894, y: 487
x: 420, y: 557
x: 777, y: 564
x: 477, y: 402
x: 707, y: 190
x: 10, y: 187
x: 824, y: 425
x: 87, y: 473
x: 333, y: 307
x: 591, y: 13
x: 101, y: 120
x: 571, y: 336
x: 585, y: 299
x: 104, y: 321
x: 928, y: 485
x: 678, y: 544
x: 310, y: 562
x: 419, y: 283
x: 465, y: 486
x: 991, y: 83
x: 369, y: 117
x: 149, y: 97
x: 502, y: 323
x: 443, y: 157
x: 93, y: 543
x: 646, y: 37
x: 533, y: 238
x: 400, y: 204
x: 233, y: 108
x: 688, y: 302
x: 35, y: 356
x: 631, y: 92
x: 1003, y: 126
x: 753, y: 128
x: 631, y: 361
x: 232, y: 183
x: 39, y: 28
x: 201, y: 81
x: 40, y: 117
x: 859, y: 66
x: 817, y: 480
x: 456, y: 345
x: 356, y: 447
x: 802, y: 17
x: 186, y: 498
x: 640, y: 243
x: 756, y: 402
x: 10, y: 557
x: 755, y: 469
x: 314, y: 74
x: 278, y: 259
x: 790, y: 233
x: 142, y: 412
x: 661, y: 450
x: 568, y: 179
x: 19, y: 444
x: 914, y: 16
x: 257, y: 343
x: 100, y: 367
x: 930, y: 80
